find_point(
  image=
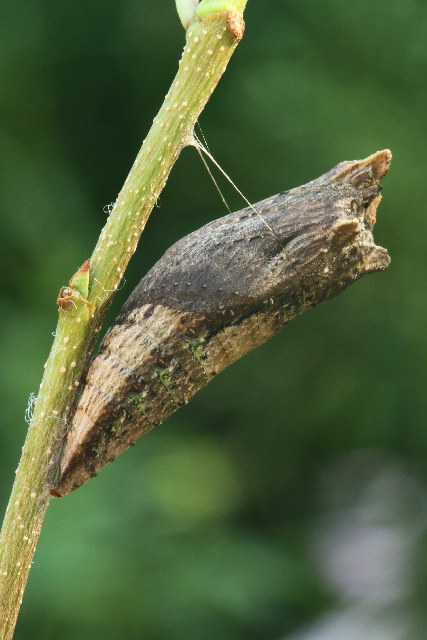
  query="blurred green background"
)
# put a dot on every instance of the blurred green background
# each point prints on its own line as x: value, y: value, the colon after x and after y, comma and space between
x: 289, y: 497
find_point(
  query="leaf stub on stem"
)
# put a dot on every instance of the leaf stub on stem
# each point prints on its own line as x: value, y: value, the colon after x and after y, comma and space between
x: 215, y: 295
x: 235, y: 25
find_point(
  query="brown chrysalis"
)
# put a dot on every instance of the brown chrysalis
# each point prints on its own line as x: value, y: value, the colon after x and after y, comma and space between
x: 215, y: 295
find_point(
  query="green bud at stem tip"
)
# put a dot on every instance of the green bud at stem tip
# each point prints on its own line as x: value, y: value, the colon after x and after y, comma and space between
x: 188, y: 9
x: 214, y: 6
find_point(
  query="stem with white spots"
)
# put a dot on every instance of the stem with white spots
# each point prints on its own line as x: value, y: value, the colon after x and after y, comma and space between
x: 210, y: 41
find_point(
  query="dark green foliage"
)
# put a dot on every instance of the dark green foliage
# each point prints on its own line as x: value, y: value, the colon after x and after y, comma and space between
x: 203, y: 530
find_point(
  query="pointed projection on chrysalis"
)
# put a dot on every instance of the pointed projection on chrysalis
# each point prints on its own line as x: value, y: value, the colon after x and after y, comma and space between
x: 215, y: 295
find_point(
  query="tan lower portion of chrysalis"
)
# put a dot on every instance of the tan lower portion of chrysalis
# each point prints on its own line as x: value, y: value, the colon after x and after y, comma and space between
x: 217, y: 294
x: 144, y: 372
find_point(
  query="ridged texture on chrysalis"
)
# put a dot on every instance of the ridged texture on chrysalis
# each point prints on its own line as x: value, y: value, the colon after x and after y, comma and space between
x: 215, y: 295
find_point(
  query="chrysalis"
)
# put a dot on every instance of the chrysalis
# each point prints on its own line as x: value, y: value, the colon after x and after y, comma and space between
x: 215, y: 295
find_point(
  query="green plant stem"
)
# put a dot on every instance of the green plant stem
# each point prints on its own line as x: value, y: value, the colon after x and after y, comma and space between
x: 210, y: 42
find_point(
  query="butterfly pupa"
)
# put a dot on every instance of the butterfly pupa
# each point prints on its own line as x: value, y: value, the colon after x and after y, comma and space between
x: 215, y: 295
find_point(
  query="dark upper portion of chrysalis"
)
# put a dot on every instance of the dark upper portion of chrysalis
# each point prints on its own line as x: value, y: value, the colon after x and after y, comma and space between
x: 316, y: 239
